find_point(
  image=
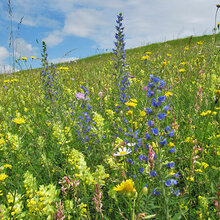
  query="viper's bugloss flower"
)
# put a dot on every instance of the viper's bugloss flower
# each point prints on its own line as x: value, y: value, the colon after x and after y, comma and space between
x: 153, y: 173
x: 155, y: 131
x: 168, y: 183
x: 161, y: 116
x: 171, y: 165
x: 171, y: 134
x: 156, y: 193
x: 167, y: 128
x: 172, y: 150
x: 141, y: 170
x: 150, y: 123
x: 149, y: 111
x: 176, y: 192
x: 163, y: 142
x: 147, y: 136
x: 166, y: 108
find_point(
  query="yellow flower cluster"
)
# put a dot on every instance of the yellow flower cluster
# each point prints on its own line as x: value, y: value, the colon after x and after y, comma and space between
x: 132, y: 103
x: 40, y: 202
x: 209, y: 112
x: 63, y: 68
x: 19, y: 121
x: 126, y: 187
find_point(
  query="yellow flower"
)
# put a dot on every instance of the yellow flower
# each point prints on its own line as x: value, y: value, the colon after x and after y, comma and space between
x: 190, y: 178
x: 127, y: 186
x: 186, y: 48
x: 131, y: 104
x: 200, y: 42
x: 167, y: 94
x: 149, y: 53
x: 217, y: 92
x: 164, y: 62
x: 171, y: 144
x: 134, y: 100
x: 7, y: 166
x: 182, y: 70
x: 3, y: 176
x: 143, y: 113
x: 198, y: 170
x: 205, y: 165
x: 63, y: 68
x: 203, y: 114
x: 146, y: 57
x: 130, y: 112
x: 32, y: 57
x: 23, y: 58
x: 19, y: 120
x: 169, y: 55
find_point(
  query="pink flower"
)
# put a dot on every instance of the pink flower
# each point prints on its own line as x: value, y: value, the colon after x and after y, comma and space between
x: 80, y: 96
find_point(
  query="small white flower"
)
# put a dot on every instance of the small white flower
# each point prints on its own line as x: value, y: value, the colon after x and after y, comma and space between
x: 131, y: 144
x: 123, y: 151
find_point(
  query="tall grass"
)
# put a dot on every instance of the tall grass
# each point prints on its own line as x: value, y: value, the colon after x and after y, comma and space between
x: 88, y: 155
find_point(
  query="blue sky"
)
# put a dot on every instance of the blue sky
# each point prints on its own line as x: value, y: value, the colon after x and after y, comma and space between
x: 87, y: 27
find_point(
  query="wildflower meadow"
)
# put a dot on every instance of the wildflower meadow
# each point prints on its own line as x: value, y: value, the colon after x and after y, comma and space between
x: 131, y: 134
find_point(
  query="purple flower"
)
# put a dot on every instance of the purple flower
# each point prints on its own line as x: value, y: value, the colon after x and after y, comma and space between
x: 161, y: 116
x: 176, y: 175
x: 162, y: 98
x: 155, y: 131
x: 150, y: 123
x: 171, y: 165
x: 153, y: 174
x: 172, y: 150
x: 166, y: 108
x: 80, y: 96
x: 163, y: 142
x: 156, y: 193
x: 167, y: 128
x: 149, y: 111
x: 168, y: 183
x: 177, y: 192
x: 174, y: 182
x: 171, y: 134
x: 147, y: 136
x: 141, y: 157
x: 141, y: 170
x: 155, y: 79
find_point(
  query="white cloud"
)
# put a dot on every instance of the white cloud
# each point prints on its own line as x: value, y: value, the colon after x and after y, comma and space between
x: 3, y: 54
x: 83, y: 22
x: 4, y: 68
x: 63, y: 60
x: 54, y: 38
x: 145, y: 20
x: 24, y: 49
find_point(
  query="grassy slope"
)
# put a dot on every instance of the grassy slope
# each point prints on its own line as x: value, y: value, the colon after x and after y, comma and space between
x: 96, y: 72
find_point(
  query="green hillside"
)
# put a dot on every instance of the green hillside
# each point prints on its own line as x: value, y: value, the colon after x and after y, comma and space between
x: 87, y: 140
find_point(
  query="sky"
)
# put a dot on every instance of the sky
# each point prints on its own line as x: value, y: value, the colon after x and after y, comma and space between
x: 75, y: 29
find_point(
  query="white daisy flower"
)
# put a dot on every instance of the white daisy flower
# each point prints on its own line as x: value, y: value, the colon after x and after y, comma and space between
x: 122, y: 152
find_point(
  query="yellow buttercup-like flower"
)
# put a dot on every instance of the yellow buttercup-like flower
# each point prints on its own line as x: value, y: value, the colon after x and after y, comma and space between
x: 126, y: 186
x: 19, y: 120
x: 23, y: 58
x: 131, y: 104
x: 3, y: 176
